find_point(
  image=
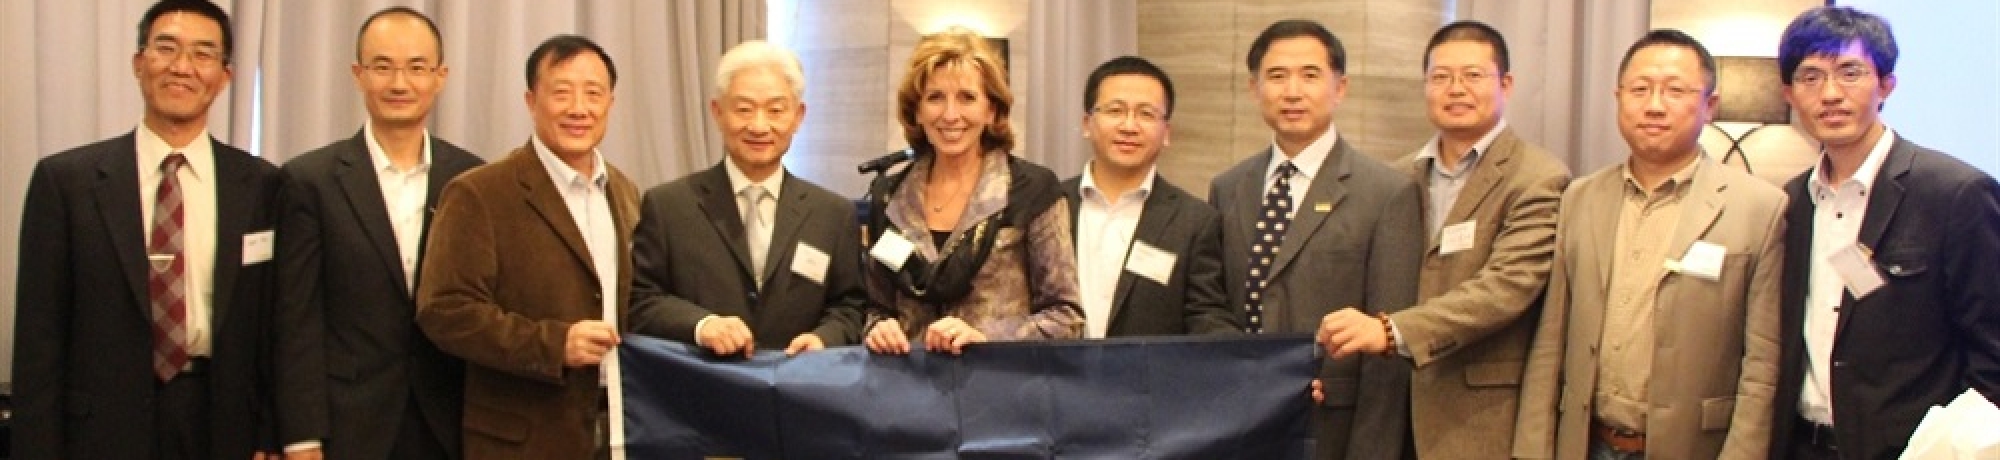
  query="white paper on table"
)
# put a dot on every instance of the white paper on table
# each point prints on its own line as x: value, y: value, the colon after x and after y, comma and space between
x: 1962, y: 430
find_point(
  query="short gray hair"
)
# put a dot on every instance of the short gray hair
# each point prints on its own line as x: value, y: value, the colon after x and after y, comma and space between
x: 760, y: 54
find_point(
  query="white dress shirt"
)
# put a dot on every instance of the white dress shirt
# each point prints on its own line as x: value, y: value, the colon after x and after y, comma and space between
x: 1103, y: 235
x: 198, y: 238
x: 1837, y: 213
x: 590, y: 209
x: 1307, y: 161
x: 403, y: 194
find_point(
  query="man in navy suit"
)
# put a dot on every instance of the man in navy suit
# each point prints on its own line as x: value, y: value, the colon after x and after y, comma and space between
x: 356, y: 378
x: 1882, y: 319
x: 1148, y: 254
x: 145, y: 264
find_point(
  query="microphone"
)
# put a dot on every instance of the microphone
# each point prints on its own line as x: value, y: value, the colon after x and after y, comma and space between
x: 886, y: 161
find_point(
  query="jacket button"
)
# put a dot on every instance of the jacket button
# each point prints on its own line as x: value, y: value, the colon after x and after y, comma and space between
x: 1840, y: 364
x: 1895, y: 269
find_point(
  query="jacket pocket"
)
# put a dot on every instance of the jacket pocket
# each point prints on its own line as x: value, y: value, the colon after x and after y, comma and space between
x: 496, y: 422
x: 1717, y: 412
x: 1494, y: 374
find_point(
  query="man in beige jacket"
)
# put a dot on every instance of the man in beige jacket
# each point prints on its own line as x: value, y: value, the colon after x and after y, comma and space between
x: 1659, y: 337
x: 1490, y: 213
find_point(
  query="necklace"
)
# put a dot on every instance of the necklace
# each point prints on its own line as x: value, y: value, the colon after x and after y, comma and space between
x: 938, y: 207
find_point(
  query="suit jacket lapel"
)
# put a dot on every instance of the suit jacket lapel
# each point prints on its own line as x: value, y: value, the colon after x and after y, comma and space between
x: 363, y: 191
x: 444, y: 168
x: 1699, y: 209
x: 1485, y: 179
x: 1325, y: 189
x: 1156, y: 216
x: 718, y: 201
x: 1598, y: 214
x: 547, y: 201
x: 1250, y: 193
x: 236, y: 199
x: 787, y: 221
x: 1883, y: 198
x: 118, y: 204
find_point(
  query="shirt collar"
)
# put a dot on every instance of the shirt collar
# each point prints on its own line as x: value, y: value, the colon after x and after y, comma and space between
x: 381, y: 156
x: 1309, y: 159
x: 1089, y: 183
x: 1864, y: 176
x: 738, y: 181
x: 153, y: 149
x: 1430, y: 151
x: 561, y: 173
x: 1675, y: 183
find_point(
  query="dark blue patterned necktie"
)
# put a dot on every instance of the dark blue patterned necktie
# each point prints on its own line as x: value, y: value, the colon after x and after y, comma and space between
x: 1272, y: 218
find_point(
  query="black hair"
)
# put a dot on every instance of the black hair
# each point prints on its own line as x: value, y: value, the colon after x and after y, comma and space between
x: 1290, y: 28
x: 1674, y: 37
x: 1471, y: 31
x: 200, y: 7
x: 402, y: 11
x: 561, y: 48
x: 1828, y: 30
x: 1127, y: 65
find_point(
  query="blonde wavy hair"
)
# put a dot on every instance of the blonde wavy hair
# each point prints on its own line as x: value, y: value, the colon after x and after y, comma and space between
x: 960, y: 48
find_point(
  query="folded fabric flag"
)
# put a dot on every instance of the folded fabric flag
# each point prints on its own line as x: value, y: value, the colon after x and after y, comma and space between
x: 1133, y: 398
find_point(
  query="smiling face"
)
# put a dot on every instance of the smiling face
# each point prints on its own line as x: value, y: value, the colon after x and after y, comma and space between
x: 758, y: 114
x: 1465, y: 89
x: 1841, y: 114
x: 181, y: 69
x: 954, y: 110
x: 1298, y: 89
x: 400, y: 70
x: 1663, y: 101
x: 1128, y: 125
x: 570, y: 103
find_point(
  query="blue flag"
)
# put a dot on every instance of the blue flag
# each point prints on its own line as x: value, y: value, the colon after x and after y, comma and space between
x: 1136, y: 398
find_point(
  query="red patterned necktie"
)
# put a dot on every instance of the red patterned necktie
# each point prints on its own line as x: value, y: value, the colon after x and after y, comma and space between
x: 168, y: 284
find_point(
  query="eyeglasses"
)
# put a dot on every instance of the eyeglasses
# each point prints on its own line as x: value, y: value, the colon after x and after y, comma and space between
x: 1849, y: 74
x: 1469, y: 77
x: 170, y: 51
x: 384, y: 70
x: 1672, y: 93
x: 1145, y: 113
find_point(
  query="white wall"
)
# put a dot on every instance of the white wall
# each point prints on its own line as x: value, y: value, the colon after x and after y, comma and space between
x: 1948, y: 75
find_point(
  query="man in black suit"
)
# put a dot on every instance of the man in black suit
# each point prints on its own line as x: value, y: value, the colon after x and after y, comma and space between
x: 356, y: 378
x: 1148, y: 255
x: 145, y: 262
x: 745, y: 255
x: 1882, y: 318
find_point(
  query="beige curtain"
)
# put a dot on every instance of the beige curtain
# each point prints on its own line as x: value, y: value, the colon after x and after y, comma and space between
x: 1064, y: 41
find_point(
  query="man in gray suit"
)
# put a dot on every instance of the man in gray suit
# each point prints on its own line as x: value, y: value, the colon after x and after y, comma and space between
x: 1491, y: 217
x: 356, y: 377
x: 1311, y: 225
x: 1149, y: 255
x: 1659, y: 338
x: 744, y: 254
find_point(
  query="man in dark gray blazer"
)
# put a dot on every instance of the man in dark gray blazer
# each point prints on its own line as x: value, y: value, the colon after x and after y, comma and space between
x: 1311, y: 226
x: 1888, y: 299
x: 145, y: 270
x: 356, y: 378
x: 744, y: 255
x: 1149, y: 255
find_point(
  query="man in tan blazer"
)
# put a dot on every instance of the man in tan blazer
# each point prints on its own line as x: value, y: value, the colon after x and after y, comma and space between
x: 527, y: 269
x: 1490, y: 210
x: 1659, y: 337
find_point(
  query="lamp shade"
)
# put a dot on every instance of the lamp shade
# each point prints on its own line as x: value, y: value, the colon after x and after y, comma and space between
x: 1750, y: 90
